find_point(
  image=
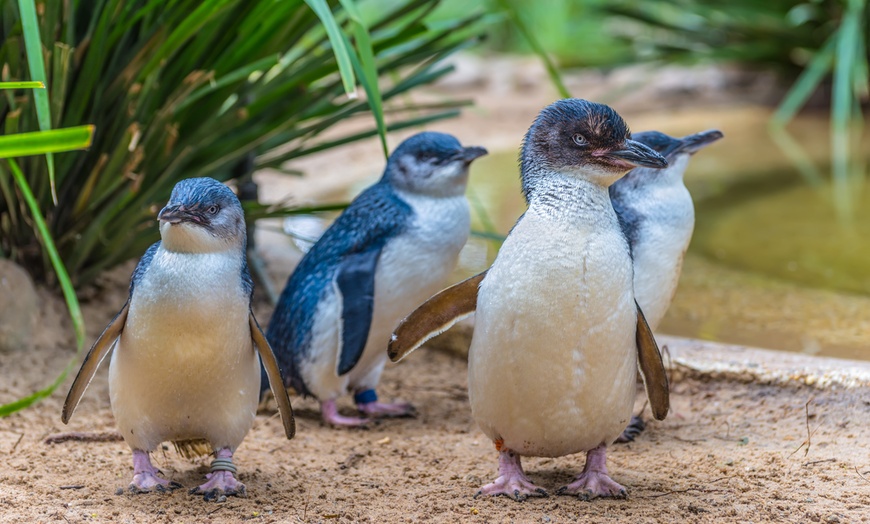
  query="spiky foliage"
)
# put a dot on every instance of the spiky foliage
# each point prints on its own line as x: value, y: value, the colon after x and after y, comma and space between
x: 188, y: 88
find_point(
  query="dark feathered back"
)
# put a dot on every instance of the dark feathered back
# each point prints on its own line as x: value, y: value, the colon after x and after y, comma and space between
x: 373, y: 218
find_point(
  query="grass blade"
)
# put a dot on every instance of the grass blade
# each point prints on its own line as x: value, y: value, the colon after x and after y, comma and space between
x: 368, y: 70
x: 22, y: 85
x: 41, y: 142
x: 336, y: 38
x: 33, y: 46
x: 806, y: 83
x: 65, y: 284
x: 530, y: 37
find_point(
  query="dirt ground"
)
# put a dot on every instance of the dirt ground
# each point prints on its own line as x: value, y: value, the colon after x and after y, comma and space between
x: 730, y: 451
x: 735, y: 448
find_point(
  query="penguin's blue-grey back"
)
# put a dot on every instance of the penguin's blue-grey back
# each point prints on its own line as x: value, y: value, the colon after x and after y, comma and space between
x: 377, y: 213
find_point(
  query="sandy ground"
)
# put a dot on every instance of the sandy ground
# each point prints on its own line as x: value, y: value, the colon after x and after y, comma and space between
x: 732, y: 450
x: 738, y: 446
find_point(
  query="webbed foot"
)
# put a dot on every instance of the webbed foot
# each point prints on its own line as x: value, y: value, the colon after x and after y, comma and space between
x: 512, y: 481
x: 329, y: 412
x: 367, y: 403
x: 222, y: 479
x: 145, y: 479
x: 594, y: 482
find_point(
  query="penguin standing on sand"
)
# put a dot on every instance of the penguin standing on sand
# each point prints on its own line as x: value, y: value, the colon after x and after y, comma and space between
x: 657, y: 216
x: 184, y: 367
x: 558, y: 335
x: 388, y: 251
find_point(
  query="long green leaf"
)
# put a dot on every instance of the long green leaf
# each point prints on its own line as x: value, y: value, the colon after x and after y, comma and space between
x: 41, y: 142
x: 342, y: 54
x: 22, y: 85
x: 530, y: 37
x: 806, y: 83
x: 65, y: 284
x: 369, y: 70
x: 33, y: 45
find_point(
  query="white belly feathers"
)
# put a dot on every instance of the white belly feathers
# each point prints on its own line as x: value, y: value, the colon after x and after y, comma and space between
x: 185, y: 366
x: 552, y: 364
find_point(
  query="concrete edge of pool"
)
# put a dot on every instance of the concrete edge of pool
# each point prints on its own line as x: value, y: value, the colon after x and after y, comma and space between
x: 723, y: 361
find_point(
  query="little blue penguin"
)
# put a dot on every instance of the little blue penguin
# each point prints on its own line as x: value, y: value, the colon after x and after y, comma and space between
x: 657, y: 216
x: 391, y: 249
x: 558, y: 335
x: 185, y: 366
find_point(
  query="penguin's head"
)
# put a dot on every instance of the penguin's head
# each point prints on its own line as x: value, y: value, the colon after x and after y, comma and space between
x: 431, y: 163
x: 677, y: 151
x: 202, y: 216
x: 582, y: 139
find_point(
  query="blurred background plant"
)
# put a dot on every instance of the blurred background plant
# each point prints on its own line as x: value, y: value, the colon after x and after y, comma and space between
x: 194, y: 88
x: 818, y: 48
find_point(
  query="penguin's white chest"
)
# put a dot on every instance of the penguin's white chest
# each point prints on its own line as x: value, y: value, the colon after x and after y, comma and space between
x: 185, y: 366
x: 662, y: 239
x: 552, y: 364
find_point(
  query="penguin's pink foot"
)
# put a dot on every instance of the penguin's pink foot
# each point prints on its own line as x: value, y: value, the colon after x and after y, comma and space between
x: 219, y: 483
x: 512, y: 481
x: 383, y: 409
x: 329, y: 412
x: 367, y: 403
x: 222, y: 479
x: 145, y: 479
x: 594, y: 482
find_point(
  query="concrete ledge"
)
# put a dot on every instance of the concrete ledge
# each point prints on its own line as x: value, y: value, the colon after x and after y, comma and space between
x: 725, y: 361
x: 720, y: 361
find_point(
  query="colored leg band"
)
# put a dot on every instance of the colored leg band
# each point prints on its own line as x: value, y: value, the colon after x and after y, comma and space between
x: 366, y: 397
x: 223, y: 464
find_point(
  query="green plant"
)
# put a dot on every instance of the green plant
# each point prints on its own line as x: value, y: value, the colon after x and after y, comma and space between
x: 189, y: 88
x: 43, y: 142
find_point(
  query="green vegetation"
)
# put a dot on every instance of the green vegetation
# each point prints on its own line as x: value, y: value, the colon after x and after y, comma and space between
x: 183, y: 89
x: 190, y: 88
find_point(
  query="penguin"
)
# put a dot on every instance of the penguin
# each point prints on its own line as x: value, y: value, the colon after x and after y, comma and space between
x: 392, y: 248
x: 187, y: 348
x: 558, y: 334
x: 657, y: 216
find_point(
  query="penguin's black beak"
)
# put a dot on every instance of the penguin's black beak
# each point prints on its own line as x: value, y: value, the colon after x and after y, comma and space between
x: 469, y: 154
x: 176, y: 213
x: 693, y: 143
x: 639, y: 155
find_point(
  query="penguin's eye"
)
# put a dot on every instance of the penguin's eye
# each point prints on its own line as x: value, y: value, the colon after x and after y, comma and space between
x: 579, y: 140
x: 213, y: 210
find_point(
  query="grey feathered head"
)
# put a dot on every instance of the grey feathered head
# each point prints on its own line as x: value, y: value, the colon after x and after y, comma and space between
x: 431, y: 163
x: 581, y: 138
x: 202, y: 215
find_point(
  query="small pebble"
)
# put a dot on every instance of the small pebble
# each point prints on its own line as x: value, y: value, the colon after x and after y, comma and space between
x: 222, y: 498
x: 474, y: 511
x: 385, y: 440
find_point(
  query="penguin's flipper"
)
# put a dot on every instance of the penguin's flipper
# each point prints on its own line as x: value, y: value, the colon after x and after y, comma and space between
x: 102, y: 347
x: 435, y: 316
x: 652, y: 369
x: 276, y: 382
x: 356, y: 282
